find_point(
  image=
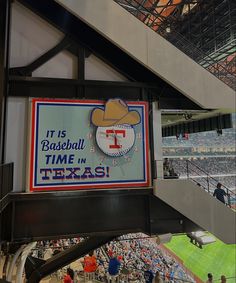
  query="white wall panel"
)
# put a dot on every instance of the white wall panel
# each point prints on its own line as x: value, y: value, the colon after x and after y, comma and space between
x: 63, y: 65
x: 16, y: 139
x: 30, y: 36
x: 96, y: 69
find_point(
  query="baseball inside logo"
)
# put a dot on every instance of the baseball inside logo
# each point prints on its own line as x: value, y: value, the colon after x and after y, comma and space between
x: 115, y: 134
x: 115, y: 140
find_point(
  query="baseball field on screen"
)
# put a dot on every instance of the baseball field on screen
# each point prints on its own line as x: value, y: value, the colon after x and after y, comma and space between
x: 216, y: 258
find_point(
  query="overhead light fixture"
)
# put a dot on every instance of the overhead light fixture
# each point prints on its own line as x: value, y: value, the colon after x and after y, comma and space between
x: 168, y: 30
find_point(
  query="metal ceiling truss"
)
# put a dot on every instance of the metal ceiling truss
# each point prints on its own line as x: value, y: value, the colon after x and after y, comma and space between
x: 85, y: 89
x: 155, y: 12
x: 28, y: 70
x: 205, y: 31
x: 83, y: 41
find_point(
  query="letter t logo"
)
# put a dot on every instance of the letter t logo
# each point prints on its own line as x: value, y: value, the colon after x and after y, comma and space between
x: 114, y: 134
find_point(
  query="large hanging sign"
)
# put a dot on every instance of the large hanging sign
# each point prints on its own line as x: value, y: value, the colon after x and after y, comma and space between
x: 79, y: 144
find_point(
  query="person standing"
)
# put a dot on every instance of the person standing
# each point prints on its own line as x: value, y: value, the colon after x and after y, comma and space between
x: 148, y: 275
x: 223, y: 279
x: 69, y: 276
x: 219, y: 193
x: 113, y: 269
x: 90, y: 266
x: 209, y: 278
x: 157, y: 278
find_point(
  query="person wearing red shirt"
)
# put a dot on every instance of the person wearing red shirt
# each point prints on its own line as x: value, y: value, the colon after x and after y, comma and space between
x: 90, y: 266
x: 68, y: 278
x: 110, y: 253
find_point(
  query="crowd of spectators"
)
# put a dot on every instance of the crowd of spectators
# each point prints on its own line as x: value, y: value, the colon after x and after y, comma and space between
x: 211, y: 165
x: 203, y: 139
x: 228, y: 182
x: 201, y: 151
x: 136, y: 253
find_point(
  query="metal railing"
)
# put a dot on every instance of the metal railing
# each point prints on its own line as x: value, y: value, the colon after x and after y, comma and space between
x: 207, y: 182
x: 179, y: 41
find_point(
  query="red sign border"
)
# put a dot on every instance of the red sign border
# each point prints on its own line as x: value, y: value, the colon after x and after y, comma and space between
x: 146, y: 183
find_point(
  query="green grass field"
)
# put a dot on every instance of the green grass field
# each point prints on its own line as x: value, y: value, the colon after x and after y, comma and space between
x: 216, y: 258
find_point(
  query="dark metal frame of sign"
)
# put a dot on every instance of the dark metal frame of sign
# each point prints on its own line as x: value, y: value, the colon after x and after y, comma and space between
x: 62, y: 171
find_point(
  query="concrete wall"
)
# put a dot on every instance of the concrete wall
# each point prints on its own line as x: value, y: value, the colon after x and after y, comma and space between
x: 200, y: 207
x: 154, y: 52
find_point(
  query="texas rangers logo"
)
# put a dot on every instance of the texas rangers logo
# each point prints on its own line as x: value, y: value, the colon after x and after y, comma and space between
x: 115, y: 134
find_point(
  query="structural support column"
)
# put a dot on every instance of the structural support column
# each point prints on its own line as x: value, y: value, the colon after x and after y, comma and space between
x: 4, y: 46
x: 157, y: 136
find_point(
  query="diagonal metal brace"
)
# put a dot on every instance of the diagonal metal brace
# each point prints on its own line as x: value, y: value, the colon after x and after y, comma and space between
x: 27, y: 70
x: 64, y: 258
